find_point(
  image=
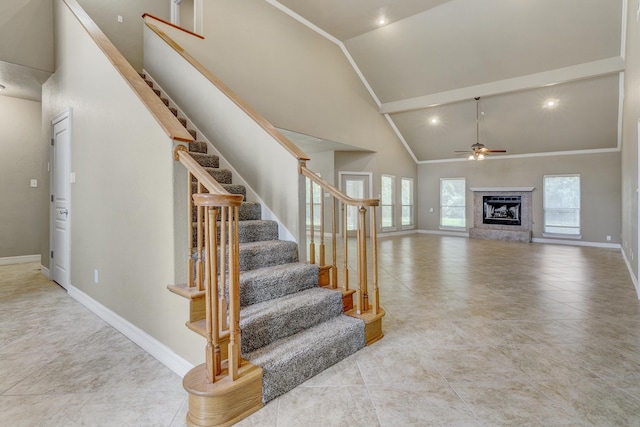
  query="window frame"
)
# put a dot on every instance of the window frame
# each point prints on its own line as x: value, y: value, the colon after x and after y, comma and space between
x: 545, y: 208
x: 463, y: 206
x: 391, y: 227
x: 411, y: 204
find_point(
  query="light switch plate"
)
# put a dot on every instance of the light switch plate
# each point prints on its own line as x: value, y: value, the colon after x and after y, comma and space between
x: 34, y: 183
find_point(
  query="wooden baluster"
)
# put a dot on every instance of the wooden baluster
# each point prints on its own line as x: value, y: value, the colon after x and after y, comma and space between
x: 322, y: 262
x: 334, y: 269
x: 210, y: 359
x: 200, y: 255
x: 346, y: 252
x: 234, y: 302
x: 363, y: 300
x: 374, y: 261
x: 312, y: 244
x: 212, y: 297
x: 223, y: 269
x: 190, y: 263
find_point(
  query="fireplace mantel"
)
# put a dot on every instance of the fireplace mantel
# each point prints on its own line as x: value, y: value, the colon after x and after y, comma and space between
x: 490, y: 189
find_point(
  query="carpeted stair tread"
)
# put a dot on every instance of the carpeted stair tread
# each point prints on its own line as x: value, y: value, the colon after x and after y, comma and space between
x: 290, y: 361
x: 223, y: 176
x: 256, y: 230
x: 182, y: 121
x: 174, y: 111
x: 256, y: 255
x: 165, y: 101
x: 276, y: 281
x: 206, y: 160
x: 268, y: 321
x: 247, y: 211
x: 198, y: 147
x: 193, y: 133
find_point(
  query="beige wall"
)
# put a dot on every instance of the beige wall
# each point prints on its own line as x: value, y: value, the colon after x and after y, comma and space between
x: 122, y: 204
x: 297, y: 79
x: 599, y: 177
x: 126, y: 36
x: 24, y: 157
x: 631, y: 116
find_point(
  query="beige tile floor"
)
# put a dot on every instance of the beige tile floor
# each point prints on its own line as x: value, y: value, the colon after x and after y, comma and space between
x: 477, y: 334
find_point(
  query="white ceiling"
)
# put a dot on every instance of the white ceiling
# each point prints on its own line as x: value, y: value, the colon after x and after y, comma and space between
x: 513, y: 54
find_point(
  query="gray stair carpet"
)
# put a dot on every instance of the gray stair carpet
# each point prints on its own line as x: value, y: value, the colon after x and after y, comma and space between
x: 268, y: 283
x: 291, y: 328
x: 268, y: 321
x: 290, y: 361
x: 255, y: 255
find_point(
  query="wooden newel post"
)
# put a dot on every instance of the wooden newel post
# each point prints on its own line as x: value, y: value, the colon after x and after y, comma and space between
x: 363, y: 302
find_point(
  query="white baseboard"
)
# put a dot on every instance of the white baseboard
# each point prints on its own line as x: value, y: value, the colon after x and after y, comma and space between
x: 445, y: 233
x: 44, y: 270
x: 634, y: 279
x: 397, y: 233
x: 155, y: 348
x: 576, y: 243
x: 20, y: 259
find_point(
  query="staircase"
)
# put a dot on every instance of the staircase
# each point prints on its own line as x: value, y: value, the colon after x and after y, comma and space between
x: 290, y: 327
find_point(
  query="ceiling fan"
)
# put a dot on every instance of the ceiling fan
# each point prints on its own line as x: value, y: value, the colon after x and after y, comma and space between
x: 478, y: 150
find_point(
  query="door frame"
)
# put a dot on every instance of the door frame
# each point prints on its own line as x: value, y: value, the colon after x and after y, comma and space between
x: 340, y: 176
x: 65, y: 115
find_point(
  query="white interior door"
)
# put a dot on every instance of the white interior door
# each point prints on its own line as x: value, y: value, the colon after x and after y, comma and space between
x: 60, y: 199
x: 356, y: 186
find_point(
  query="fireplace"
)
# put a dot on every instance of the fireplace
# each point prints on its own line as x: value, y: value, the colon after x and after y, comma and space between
x: 502, y: 213
x: 503, y: 210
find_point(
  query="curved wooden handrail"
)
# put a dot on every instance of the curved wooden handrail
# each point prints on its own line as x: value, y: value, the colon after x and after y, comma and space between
x: 160, y: 112
x: 181, y: 154
x: 335, y: 192
x: 257, y: 117
x: 208, y: 199
x: 145, y: 15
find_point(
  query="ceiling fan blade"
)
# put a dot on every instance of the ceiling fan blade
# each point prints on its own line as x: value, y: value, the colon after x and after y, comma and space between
x: 460, y: 151
x: 495, y: 151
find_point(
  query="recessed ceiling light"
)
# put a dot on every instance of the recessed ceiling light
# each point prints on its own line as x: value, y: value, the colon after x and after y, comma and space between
x: 550, y: 103
x: 382, y: 21
x: 434, y: 120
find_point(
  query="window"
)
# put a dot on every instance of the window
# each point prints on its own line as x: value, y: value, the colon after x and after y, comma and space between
x: 316, y: 203
x: 407, y: 202
x: 453, y: 203
x: 386, y: 200
x: 562, y: 204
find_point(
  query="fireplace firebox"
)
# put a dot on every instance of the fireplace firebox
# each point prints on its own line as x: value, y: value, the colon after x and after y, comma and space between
x: 503, y: 210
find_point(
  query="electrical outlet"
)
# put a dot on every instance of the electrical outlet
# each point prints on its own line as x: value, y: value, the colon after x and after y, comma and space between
x: 95, y: 276
x: 608, y: 237
x: 430, y: 209
x: 34, y: 183
x: 120, y: 18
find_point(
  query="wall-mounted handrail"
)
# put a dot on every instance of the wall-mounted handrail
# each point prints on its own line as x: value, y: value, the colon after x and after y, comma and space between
x: 145, y: 15
x: 163, y: 116
x: 250, y: 111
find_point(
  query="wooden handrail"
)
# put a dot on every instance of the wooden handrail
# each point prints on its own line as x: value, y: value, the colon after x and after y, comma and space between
x: 181, y: 154
x: 257, y: 117
x: 158, y: 110
x: 335, y: 192
x: 145, y: 15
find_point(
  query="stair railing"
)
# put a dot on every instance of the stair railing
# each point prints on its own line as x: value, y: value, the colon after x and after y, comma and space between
x: 214, y: 263
x: 364, y: 303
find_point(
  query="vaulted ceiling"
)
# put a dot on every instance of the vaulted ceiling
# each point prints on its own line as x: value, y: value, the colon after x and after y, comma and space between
x: 433, y: 57
x: 426, y: 65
